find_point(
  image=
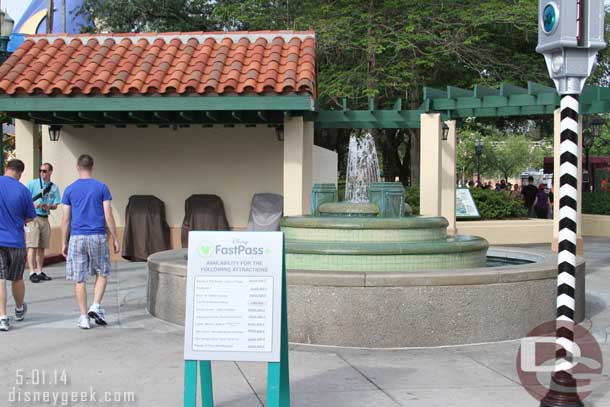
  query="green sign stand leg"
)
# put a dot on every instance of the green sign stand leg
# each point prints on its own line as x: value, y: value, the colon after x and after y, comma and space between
x: 190, y: 383
x: 278, y: 376
x: 207, y: 393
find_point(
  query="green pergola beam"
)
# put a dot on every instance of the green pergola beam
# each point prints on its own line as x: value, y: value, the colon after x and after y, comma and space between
x: 431, y: 93
x: 507, y: 89
x: 154, y: 103
x: 534, y: 88
x: 480, y: 91
x: 453, y: 93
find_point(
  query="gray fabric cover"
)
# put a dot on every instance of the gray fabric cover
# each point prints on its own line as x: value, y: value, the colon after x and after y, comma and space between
x: 266, y: 212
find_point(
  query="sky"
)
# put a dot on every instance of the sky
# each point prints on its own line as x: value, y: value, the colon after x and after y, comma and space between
x: 15, y: 8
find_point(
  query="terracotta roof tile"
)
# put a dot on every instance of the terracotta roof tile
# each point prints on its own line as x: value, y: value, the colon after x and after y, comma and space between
x: 184, y: 63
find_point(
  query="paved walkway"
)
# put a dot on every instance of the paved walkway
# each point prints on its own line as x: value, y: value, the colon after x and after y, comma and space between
x: 140, y: 354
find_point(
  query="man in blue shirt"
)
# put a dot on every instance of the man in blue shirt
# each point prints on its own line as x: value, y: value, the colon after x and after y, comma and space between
x: 87, y: 209
x: 16, y: 209
x: 38, y: 233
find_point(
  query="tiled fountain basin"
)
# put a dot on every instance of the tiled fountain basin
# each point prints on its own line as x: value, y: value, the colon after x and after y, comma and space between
x: 378, y: 244
x: 398, y: 309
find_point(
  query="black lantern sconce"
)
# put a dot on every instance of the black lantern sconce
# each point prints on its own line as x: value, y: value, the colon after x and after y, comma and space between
x: 54, y: 132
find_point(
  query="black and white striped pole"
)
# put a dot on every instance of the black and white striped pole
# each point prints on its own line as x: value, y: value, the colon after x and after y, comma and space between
x: 563, y: 390
x: 570, y: 34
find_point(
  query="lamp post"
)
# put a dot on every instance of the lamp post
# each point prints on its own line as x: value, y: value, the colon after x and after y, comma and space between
x: 6, y: 28
x: 478, y: 149
x: 594, y: 129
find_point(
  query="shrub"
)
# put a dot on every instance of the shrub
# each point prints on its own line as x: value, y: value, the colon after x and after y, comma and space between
x: 596, y: 203
x: 497, y: 205
x: 412, y: 198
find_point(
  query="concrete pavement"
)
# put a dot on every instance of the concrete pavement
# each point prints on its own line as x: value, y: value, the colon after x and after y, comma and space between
x: 139, y: 356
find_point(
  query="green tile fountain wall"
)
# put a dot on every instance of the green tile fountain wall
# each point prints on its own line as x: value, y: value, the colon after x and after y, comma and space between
x: 378, y: 244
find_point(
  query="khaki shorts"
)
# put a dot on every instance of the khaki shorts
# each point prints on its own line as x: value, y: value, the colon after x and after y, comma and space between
x: 38, y: 233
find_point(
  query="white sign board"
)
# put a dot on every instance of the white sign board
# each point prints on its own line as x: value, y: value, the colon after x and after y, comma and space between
x: 234, y: 296
x: 465, y: 207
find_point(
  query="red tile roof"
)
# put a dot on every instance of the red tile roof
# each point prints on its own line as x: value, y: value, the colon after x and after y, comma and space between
x: 276, y: 62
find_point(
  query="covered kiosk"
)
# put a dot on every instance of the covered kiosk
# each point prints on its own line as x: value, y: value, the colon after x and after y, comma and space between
x: 170, y: 115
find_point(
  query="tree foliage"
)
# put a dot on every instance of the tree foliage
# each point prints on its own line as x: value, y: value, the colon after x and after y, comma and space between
x: 150, y: 15
x: 383, y: 49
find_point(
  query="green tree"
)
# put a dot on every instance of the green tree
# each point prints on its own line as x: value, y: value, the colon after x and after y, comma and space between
x: 370, y: 48
x: 150, y: 15
x: 514, y: 154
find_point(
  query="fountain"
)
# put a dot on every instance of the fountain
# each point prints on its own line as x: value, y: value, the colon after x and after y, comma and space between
x: 369, y: 230
x: 364, y: 273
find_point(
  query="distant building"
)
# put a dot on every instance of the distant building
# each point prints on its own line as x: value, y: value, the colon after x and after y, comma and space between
x: 34, y: 20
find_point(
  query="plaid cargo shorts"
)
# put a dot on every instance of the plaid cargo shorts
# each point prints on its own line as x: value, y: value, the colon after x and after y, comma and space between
x: 12, y: 263
x: 87, y: 254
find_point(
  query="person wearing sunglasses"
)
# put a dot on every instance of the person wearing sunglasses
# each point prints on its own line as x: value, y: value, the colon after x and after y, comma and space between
x: 46, y: 197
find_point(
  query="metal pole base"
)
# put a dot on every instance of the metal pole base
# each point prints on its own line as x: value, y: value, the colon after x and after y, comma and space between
x: 554, y: 398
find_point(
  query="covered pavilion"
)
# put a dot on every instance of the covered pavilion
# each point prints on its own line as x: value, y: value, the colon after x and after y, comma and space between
x: 172, y: 114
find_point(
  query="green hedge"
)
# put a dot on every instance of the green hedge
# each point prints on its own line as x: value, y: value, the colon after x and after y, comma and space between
x: 596, y: 203
x: 491, y: 204
x: 497, y: 205
x: 412, y: 198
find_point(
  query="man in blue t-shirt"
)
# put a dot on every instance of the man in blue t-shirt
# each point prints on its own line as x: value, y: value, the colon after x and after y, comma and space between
x: 16, y: 209
x: 38, y: 233
x: 87, y: 210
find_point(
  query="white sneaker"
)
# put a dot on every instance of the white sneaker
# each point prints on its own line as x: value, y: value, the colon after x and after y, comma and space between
x: 5, y: 324
x: 98, y: 314
x: 83, y: 322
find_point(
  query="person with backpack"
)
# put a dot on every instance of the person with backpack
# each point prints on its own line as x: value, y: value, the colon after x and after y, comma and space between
x: 46, y: 197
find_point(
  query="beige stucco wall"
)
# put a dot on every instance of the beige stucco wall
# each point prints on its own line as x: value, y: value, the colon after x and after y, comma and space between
x: 325, y: 166
x: 526, y: 231
x: 530, y: 231
x: 233, y: 163
x: 596, y: 225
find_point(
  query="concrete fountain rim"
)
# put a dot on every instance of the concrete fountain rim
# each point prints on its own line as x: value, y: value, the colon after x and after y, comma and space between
x: 173, y: 262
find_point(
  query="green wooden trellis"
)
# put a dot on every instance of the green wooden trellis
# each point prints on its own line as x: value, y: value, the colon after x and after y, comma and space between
x: 451, y: 103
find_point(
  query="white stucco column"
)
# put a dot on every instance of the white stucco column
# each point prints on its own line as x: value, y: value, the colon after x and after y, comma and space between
x: 27, y: 147
x: 448, y: 177
x: 430, y: 165
x: 298, y: 163
x: 556, y: 168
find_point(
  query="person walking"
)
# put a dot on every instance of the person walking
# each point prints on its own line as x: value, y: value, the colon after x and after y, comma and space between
x: 529, y: 196
x: 16, y: 210
x: 46, y: 197
x: 87, y: 211
x: 542, y: 202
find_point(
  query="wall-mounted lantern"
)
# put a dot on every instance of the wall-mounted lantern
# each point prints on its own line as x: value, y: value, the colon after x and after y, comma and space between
x: 54, y: 132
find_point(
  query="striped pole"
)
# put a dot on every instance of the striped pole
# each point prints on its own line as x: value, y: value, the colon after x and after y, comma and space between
x: 563, y: 391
